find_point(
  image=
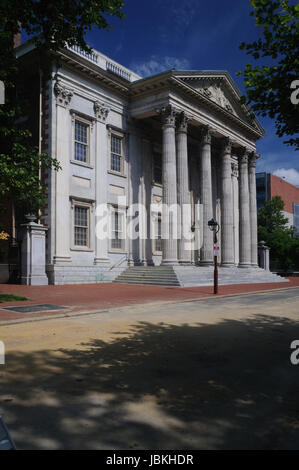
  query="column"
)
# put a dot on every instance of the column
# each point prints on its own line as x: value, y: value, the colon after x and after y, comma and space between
x: 235, y: 186
x: 169, y: 181
x: 101, y: 175
x: 62, y: 193
x: 244, y: 218
x: 206, y: 252
x: 227, y: 222
x: 184, y: 241
x: 253, y: 210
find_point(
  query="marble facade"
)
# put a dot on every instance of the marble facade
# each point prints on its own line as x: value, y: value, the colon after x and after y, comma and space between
x: 176, y: 138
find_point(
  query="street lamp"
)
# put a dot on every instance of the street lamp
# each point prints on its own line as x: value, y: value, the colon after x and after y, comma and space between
x: 214, y: 227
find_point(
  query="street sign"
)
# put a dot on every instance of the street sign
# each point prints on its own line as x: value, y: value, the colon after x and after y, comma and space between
x: 216, y: 249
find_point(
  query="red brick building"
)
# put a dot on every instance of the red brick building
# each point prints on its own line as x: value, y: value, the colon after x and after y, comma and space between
x: 269, y: 185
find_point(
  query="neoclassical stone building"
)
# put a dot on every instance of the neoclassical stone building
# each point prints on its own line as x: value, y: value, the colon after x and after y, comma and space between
x: 123, y: 142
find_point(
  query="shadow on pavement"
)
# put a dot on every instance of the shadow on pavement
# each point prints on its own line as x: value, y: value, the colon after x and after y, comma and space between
x: 225, y: 386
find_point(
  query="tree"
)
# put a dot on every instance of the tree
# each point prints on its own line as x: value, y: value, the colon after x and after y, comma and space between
x: 274, y: 231
x: 53, y: 25
x: 268, y: 85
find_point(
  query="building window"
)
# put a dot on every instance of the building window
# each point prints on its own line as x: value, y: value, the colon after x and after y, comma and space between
x: 81, y: 150
x: 157, y: 168
x: 117, y: 230
x: 116, y: 163
x: 81, y: 226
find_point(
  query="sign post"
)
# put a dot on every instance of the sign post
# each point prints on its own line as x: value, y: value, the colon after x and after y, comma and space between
x: 216, y: 254
x: 214, y: 227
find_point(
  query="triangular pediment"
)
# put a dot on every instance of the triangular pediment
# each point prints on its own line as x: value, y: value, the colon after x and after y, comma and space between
x: 219, y: 88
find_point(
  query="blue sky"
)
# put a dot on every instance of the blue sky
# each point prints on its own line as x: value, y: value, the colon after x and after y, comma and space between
x: 195, y: 35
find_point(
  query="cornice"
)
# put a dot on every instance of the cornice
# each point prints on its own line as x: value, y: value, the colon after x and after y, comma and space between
x: 93, y: 71
x: 135, y: 90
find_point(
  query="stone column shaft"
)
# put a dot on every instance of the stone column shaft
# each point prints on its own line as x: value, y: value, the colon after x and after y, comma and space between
x: 244, y: 219
x: 253, y: 209
x: 227, y: 235
x: 169, y: 181
x: 206, y: 252
x: 184, y: 247
x: 102, y: 235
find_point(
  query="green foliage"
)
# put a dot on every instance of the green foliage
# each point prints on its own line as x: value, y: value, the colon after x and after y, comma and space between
x: 58, y: 22
x: 11, y: 298
x: 273, y: 230
x: 53, y: 24
x: 268, y: 85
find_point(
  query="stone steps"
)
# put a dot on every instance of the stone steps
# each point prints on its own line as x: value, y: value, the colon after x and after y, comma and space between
x: 192, y: 276
x: 152, y: 275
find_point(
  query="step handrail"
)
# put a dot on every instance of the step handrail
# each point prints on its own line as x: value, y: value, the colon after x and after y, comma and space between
x: 121, y: 260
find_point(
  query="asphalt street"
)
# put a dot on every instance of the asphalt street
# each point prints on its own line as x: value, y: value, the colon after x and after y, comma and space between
x: 201, y: 374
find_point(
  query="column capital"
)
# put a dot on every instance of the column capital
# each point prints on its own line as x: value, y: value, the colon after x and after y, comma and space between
x: 101, y: 111
x: 227, y: 144
x: 206, y: 135
x: 168, y: 114
x: 243, y: 155
x: 63, y: 94
x: 252, y: 160
x: 182, y: 122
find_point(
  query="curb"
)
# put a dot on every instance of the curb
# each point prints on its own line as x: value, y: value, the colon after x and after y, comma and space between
x: 159, y: 302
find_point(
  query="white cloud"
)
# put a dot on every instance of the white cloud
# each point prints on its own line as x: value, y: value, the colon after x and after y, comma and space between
x: 159, y: 64
x: 291, y: 175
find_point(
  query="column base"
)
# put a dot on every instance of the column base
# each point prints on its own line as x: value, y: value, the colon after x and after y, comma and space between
x: 228, y: 264
x: 206, y: 263
x: 169, y: 262
x: 185, y: 263
x: 245, y: 265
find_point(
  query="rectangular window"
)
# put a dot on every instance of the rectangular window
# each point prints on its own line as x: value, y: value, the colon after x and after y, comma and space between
x: 116, y: 163
x: 81, y: 226
x: 81, y: 142
x: 117, y: 230
x: 157, y: 168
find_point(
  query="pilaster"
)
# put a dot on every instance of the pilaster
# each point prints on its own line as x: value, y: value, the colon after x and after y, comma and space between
x: 62, y: 210
x: 101, y: 183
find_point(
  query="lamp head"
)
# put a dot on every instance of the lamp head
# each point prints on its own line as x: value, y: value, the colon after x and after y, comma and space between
x: 213, y: 224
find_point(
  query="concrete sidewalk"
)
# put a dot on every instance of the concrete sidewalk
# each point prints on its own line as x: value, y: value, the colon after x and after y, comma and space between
x: 93, y: 297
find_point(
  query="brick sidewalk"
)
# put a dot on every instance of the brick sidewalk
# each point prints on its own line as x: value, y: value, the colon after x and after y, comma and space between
x: 93, y: 297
